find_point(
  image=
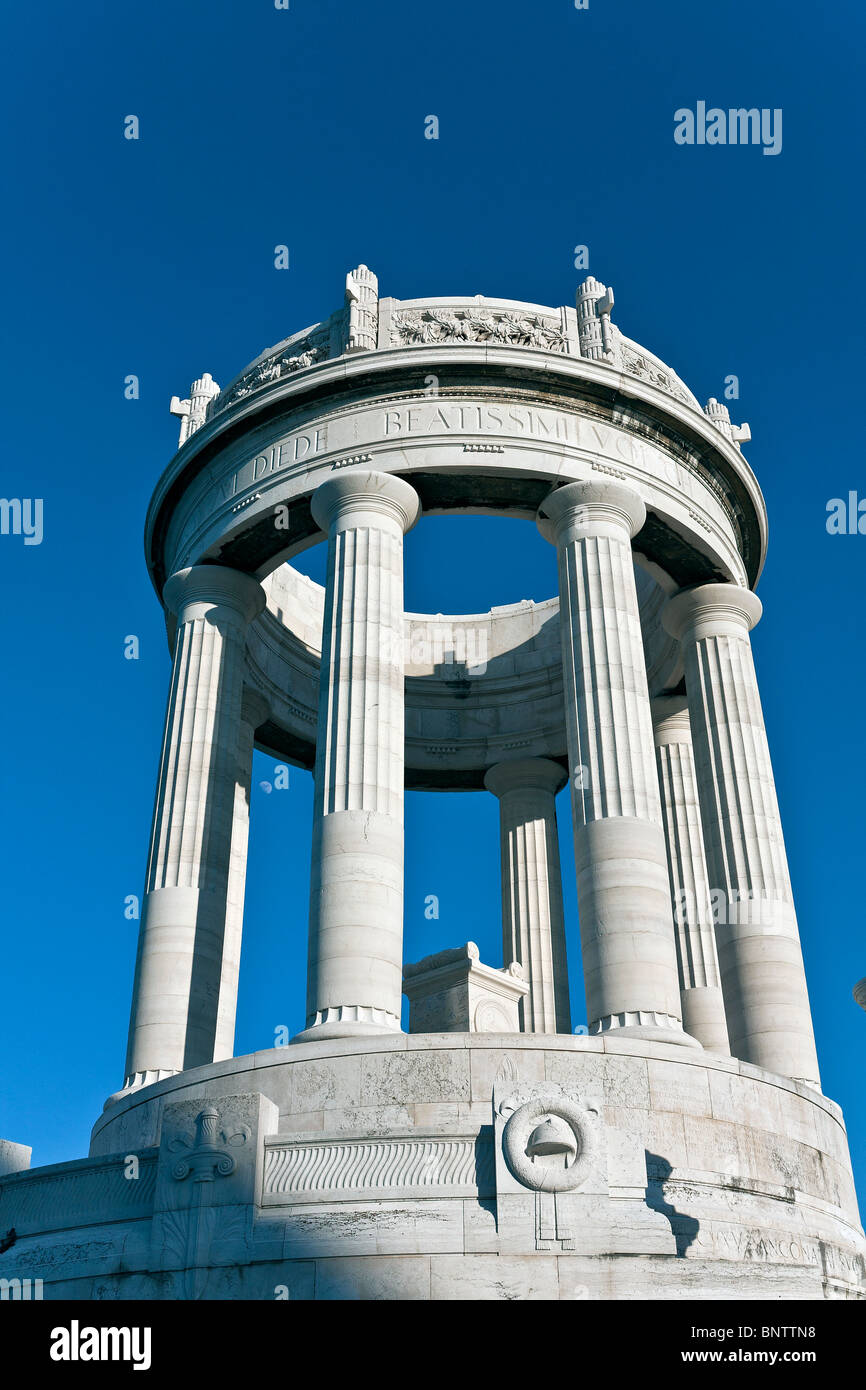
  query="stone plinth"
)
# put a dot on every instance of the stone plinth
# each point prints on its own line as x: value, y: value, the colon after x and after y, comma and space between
x: 452, y: 992
x: 408, y: 1168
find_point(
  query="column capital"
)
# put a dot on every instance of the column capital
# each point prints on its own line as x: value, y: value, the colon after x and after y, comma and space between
x: 711, y: 610
x: 364, y: 497
x: 206, y: 587
x: 526, y: 774
x: 590, y: 508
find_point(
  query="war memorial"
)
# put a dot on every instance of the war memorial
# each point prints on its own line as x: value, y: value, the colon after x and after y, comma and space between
x: 681, y: 1148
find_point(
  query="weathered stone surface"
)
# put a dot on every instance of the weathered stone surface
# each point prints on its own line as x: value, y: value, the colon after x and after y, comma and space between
x: 705, y: 1182
x: 183, y: 997
x: 354, y: 976
x: 629, y: 960
x: 14, y: 1158
x: 428, y: 1076
x: 533, y: 926
x: 453, y: 992
x: 480, y: 1278
x: 405, y: 1277
x: 766, y: 1001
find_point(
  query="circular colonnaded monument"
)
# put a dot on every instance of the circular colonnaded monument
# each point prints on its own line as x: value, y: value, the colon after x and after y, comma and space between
x: 682, y: 1147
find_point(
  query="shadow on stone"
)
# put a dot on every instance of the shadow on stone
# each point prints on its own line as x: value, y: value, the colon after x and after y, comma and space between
x: 485, y: 1165
x: 685, y: 1228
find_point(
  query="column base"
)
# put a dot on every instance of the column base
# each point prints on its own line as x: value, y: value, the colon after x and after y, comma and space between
x: 704, y: 1017
x: 650, y: 1027
x: 804, y: 1081
x: 137, y: 1081
x: 349, y: 1021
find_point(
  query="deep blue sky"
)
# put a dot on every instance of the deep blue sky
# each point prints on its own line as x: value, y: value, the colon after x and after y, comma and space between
x: 155, y: 257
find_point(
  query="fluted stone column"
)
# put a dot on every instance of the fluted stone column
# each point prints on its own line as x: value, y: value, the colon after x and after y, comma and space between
x: 700, y: 982
x: 626, y: 925
x: 769, y: 1021
x: 355, y: 966
x: 533, y: 925
x: 254, y: 711
x: 178, y: 978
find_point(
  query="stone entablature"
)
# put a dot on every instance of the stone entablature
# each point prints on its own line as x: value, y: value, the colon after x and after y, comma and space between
x: 367, y: 323
x: 706, y: 519
x: 494, y: 388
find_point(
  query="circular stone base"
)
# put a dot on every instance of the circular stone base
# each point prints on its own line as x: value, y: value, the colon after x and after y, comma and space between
x: 328, y: 1032
x: 650, y: 1032
x: 453, y: 1166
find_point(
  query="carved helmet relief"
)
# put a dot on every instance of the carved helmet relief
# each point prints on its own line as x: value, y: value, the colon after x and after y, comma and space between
x: 552, y: 1144
x: 549, y: 1142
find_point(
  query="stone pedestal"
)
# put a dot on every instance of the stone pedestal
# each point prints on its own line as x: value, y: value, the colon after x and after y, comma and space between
x: 452, y: 992
x: 451, y: 1167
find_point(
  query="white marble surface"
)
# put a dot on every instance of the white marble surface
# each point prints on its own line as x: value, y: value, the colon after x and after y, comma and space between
x: 179, y: 970
x: 377, y: 1167
x: 453, y: 991
x: 533, y: 922
x: 355, y: 970
x: 767, y: 1003
x: 697, y: 957
x: 626, y: 924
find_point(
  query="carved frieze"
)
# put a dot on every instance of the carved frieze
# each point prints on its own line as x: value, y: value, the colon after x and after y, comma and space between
x: 474, y: 324
x: 387, y: 1166
x: 645, y: 369
x: 307, y: 352
x: 588, y: 333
